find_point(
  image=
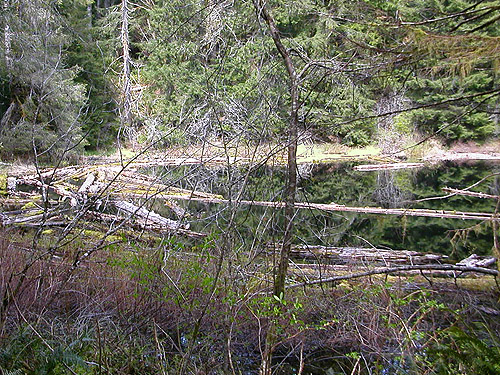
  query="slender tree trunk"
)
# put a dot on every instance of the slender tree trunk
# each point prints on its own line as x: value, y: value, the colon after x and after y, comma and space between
x: 7, y: 38
x: 291, y: 190
x: 291, y: 185
x: 496, y: 117
x: 125, y: 115
x: 89, y: 15
x: 496, y: 236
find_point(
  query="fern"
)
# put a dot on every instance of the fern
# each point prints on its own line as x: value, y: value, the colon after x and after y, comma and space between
x: 466, y: 353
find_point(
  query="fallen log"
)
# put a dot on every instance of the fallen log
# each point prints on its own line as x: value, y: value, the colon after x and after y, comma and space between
x: 11, y: 204
x: 444, y: 214
x: 30, y: 218
x: 322, y: 267
x: 475, y: 260
x: 149, y: 217
x: 311, y: 272
x: 177, y: 162
x: 392, y: 166
x: 179, y: 211
x: 455, y: 156
x: 113, y: 219
x: 86, y: 184
x: 358, y: 255
x: 65, y: 192
x: 181, y: 231
x: 46, y: 224
x: 455, y: 271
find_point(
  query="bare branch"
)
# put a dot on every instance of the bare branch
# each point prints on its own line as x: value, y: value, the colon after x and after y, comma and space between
x: 423, y: 106
x: 389, y: 270
x: 470, y: 193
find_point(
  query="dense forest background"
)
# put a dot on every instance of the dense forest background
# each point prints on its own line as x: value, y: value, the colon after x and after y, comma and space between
x: 202, y: 246
x: 77, y: 74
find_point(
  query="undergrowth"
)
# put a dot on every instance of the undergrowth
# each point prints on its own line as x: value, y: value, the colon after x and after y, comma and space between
x: 166, y: 307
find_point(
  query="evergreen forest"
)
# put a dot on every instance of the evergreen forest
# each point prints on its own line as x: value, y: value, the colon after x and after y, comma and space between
x: 249, y: 187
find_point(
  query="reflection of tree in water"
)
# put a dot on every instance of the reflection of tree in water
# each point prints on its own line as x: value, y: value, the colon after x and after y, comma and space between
x: 387, y: 193
x: 304, y: 171
x: 495, y: 184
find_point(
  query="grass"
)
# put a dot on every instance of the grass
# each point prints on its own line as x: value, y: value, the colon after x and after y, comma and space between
x: 132, y: 303
x: 329, y: 152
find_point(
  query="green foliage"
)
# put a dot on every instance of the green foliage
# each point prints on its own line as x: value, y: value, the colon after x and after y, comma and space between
x: 209, y: 69
x: 45, y: 101
x: 235, y: 85
x: 403, y: 124
x: 93, y: 56
x: 454, y: 62
x: 473, y: 350
x: 452, y: 122
x: 26, y: 352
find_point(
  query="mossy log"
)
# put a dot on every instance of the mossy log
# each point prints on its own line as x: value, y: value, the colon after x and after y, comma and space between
x: 434, y: 270
x: 94, y: 188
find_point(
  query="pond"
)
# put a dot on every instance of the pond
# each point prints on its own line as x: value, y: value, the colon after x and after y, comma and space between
x: 342, y: 184
x: 253, y: 227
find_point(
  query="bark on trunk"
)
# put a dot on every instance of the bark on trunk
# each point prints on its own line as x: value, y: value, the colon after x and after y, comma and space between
x: 7, y: 116
x: 125, y: 115
x: 7, y: 39
x: 496, y: 236
x: 89, y: 15
x: 291, y: 186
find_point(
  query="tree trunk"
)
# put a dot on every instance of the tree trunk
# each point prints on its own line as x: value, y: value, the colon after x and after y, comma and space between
x: 89, y: 15
x: 291, y: 185
x: 496, y: 236
x: 125, y: 115
x: 7, y: 39
x: 496, y: 117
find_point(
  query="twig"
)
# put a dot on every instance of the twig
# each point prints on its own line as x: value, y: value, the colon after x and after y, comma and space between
x: 470, y: 193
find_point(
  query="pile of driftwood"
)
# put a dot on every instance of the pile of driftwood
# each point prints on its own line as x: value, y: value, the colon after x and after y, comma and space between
x: 109, y: 194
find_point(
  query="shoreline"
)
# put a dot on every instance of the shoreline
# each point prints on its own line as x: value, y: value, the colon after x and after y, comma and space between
x: 216, y: 153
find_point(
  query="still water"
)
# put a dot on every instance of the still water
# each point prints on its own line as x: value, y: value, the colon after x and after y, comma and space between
x: 253, y: 227
x: 342, y: 184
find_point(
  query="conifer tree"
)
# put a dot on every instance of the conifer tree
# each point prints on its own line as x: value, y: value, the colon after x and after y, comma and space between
x: 43, y: 101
